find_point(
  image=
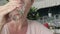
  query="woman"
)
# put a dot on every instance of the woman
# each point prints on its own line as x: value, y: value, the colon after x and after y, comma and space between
x: 17, y: 23
x: 10, y: 6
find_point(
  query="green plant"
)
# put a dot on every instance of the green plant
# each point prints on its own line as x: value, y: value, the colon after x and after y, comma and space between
x: 7, y: 0
x: 33, y: 14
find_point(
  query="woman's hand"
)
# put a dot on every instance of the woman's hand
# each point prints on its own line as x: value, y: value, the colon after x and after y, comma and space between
x: 9, y: 7
x: 17, y: 1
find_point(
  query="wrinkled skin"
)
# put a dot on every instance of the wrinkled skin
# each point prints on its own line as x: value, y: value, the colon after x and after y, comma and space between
x: 16, y: 15
x: 18, y: 22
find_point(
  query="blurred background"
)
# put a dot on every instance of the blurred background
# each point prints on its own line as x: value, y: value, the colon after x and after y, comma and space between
x: 47, y: 12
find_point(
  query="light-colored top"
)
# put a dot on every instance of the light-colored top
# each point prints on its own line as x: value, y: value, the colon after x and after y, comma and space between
x: 34, y: 27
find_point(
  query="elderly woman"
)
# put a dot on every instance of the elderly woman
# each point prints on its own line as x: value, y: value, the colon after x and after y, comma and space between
x: 13, y: 19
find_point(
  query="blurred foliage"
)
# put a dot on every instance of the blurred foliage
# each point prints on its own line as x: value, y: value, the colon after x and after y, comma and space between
x: 8, y: 0
x: 33, y: 14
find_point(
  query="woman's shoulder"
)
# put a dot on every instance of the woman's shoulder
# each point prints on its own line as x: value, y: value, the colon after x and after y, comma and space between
x: 40, y: 28
x: 34, y: 22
